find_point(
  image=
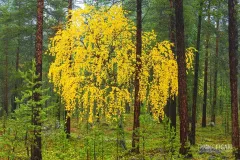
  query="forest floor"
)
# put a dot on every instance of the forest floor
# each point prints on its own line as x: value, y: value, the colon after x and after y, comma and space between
x: 105, y: 142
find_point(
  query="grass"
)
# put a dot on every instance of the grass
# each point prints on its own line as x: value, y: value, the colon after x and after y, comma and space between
x: 100, y: 141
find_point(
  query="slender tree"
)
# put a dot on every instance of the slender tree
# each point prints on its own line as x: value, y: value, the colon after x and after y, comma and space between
x: 67, y: 114
x: 136, y: 123
x: 173, y: 103
x: 37, y: 146
x: 233, y: 62
x: 14, y: 106
x: 204, y: 109
x: 182, y: 78
x: 215, y: 74
x: 6, y: 77
x: 196, y: 69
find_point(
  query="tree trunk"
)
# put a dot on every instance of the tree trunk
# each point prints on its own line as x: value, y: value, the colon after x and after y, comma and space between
x: 137, y: 102
x: 67, y: 114
x: 14, y: 106
x: 195, y: 87
x: 37, y: 146
x: 172, y: 105
x: 233, y: 62
x: 215, y: 75
x: 204, y: 111
x: 67, y: 124
x: 182, y: 78
x: 6, y: 79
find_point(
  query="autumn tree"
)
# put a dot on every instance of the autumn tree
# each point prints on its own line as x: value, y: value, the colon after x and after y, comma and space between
x: 94, y: 61
x: 172, y: 37
x: 67, y: 114
x: 100, y: 69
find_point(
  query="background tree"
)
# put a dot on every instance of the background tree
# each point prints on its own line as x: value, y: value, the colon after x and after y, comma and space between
x: 213, y: 117
x: 205, y: 88
x: 196, y: 70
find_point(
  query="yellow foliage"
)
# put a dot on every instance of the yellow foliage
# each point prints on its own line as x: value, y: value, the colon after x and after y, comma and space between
x: 95, y: 64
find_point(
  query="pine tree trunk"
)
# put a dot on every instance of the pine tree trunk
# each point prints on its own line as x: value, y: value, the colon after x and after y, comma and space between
x: 172, y: 106
x: 233, y: 62
x: 182, y: 78
x: 14, y: 106
x: 37, y: 146
x: 196, y: 69
x: 6, y: 78
x: 136, y: 123
x: 204, y: 111
x: 215, y: 75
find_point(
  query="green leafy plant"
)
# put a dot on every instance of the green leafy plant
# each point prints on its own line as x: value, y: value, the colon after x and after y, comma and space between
x: 169, y: 143
x: 18, y: 133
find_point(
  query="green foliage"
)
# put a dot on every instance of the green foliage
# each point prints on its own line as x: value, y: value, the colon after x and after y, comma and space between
x: 158, y: 141
x: 61, y: 147
x: 169, y: 143
x: 18, y: 132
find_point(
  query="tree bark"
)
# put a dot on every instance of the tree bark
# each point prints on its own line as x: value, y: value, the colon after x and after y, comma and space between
x: 172, y: 105
x: 37, y: 146
x: 233, y: 63
x: 17, y: 59
x: 14, y: 105
x: 215, y: 75
x: 137, y: 102
x: 182, y: 78
x: 204, y: 111
x: 6, y: 78
x: 67, y: 113
x: 5, y: 102
x: 196, y: 69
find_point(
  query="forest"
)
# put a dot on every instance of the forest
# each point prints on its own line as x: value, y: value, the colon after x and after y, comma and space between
x: 119, y: 80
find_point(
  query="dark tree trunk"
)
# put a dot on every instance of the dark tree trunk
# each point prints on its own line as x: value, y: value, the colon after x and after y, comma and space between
x: 37, y: 146
x: 67, y: 114
x: 204, y: 111
x: 196, y: 68
x: 137, y: 102
x: 172, y: 105
x: 70, y: 4
x: 67, y: 124
x: 215, y: 75
x: 59, y: 108
x: 182, y: 78
x: 5, y: 103
x: 233, y: 62
x: 14, y: 106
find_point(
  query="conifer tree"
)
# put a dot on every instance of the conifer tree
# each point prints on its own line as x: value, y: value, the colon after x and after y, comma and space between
x: 233, y: 63
x: 182, y: 81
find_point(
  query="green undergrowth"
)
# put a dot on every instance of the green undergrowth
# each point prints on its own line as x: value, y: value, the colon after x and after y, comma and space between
x: 110, y: 142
